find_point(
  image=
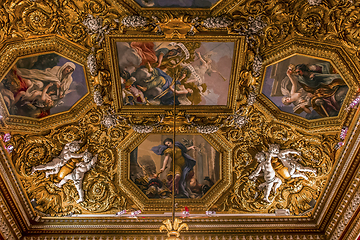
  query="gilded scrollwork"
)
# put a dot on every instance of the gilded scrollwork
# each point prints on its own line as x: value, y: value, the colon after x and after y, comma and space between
x: 298, y: 186
x: 52, y: 194
x: 264, y: 25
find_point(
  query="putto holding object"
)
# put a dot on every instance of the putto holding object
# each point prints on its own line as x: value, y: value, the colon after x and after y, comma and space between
x: 68, y: 152
x: 77, y: 175
x: 265, y: 166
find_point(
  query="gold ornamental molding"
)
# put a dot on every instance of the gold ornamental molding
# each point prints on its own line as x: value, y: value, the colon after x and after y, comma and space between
x: 264, y: 33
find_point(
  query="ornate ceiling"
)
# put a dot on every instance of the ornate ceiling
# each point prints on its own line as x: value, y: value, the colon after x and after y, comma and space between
x: 256, y: 102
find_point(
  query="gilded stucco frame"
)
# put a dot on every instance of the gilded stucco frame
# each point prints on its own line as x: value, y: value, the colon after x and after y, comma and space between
x: 333, y: 54
x: 197, y: 205
x: 214, y: 110
x: 50, y: 44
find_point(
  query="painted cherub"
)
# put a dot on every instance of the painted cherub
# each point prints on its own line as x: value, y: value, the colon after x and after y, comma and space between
x: 292, y: 164
x: 77, y: 175
x: 68, y: 152
x: 42, y: 97
x: 271, y: 181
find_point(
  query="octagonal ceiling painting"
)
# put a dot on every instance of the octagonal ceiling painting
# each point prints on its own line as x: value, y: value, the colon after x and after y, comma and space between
x: 305, y: 86
x: 197, y: 72
x: 172, y: 3
x: 43, y: 85
x: 197, y: 166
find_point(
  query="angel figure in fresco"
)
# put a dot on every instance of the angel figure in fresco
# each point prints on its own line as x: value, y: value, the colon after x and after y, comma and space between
x: 77, y: 175
x: 297, y: 95
x: 68, y: 152
x: 198, y: 77
x: 271, y: 181
x: 183, y: 164
x: 292, y: 164
x: 326, y: 90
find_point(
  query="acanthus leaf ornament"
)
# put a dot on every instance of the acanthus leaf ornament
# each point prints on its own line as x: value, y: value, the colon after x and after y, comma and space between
x: 257, y: 65
x: 173, y: 228
x: 255, y: 26
x: 315, y: 2
x: 110, y: 120
x: 301, y: 176
x: 241, y: 123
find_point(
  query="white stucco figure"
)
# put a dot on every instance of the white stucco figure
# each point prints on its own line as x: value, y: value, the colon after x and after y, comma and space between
x: 292, y: 164
x: 77, y: 175
x: 271, y: 181
x: 68, y: 152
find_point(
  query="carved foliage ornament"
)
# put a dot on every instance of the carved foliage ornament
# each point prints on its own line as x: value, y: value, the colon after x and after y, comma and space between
x: 295, y: 190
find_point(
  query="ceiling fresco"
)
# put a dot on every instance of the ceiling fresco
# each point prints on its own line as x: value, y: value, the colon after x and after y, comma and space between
x: 171, y: 73
x: 305, y: 86
x: 240, y: 117
x: 42, y: 85
x: 151, y: 166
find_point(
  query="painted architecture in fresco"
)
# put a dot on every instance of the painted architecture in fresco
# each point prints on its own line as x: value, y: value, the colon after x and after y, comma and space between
x: 197, y: 73
x: 305, y: 86
x: 197, y: 166
x: 177, y: 3
x: 43, y: 85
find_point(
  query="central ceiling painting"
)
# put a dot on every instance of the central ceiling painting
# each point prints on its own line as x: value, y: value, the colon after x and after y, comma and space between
x: 180, y: 73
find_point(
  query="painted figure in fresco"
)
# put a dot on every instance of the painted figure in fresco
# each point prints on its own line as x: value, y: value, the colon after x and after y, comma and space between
x: 328, y: 90
x: 60, y: 76
x: 131, y: 94
x: 33, y: 92
x: 155, y: 83
x: 146, y: 52
x: 183, y: 164
x: 297, y: 96
x: 271, y: 181
x: 165, y: 54
x: 36, y: 97
x: 202, y: 69
x: 66, y: 154
x: 128, y: 57
x: 182, y: 93
x: 156, y: 69
x: 292, y: 164
x: 77, y: 175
